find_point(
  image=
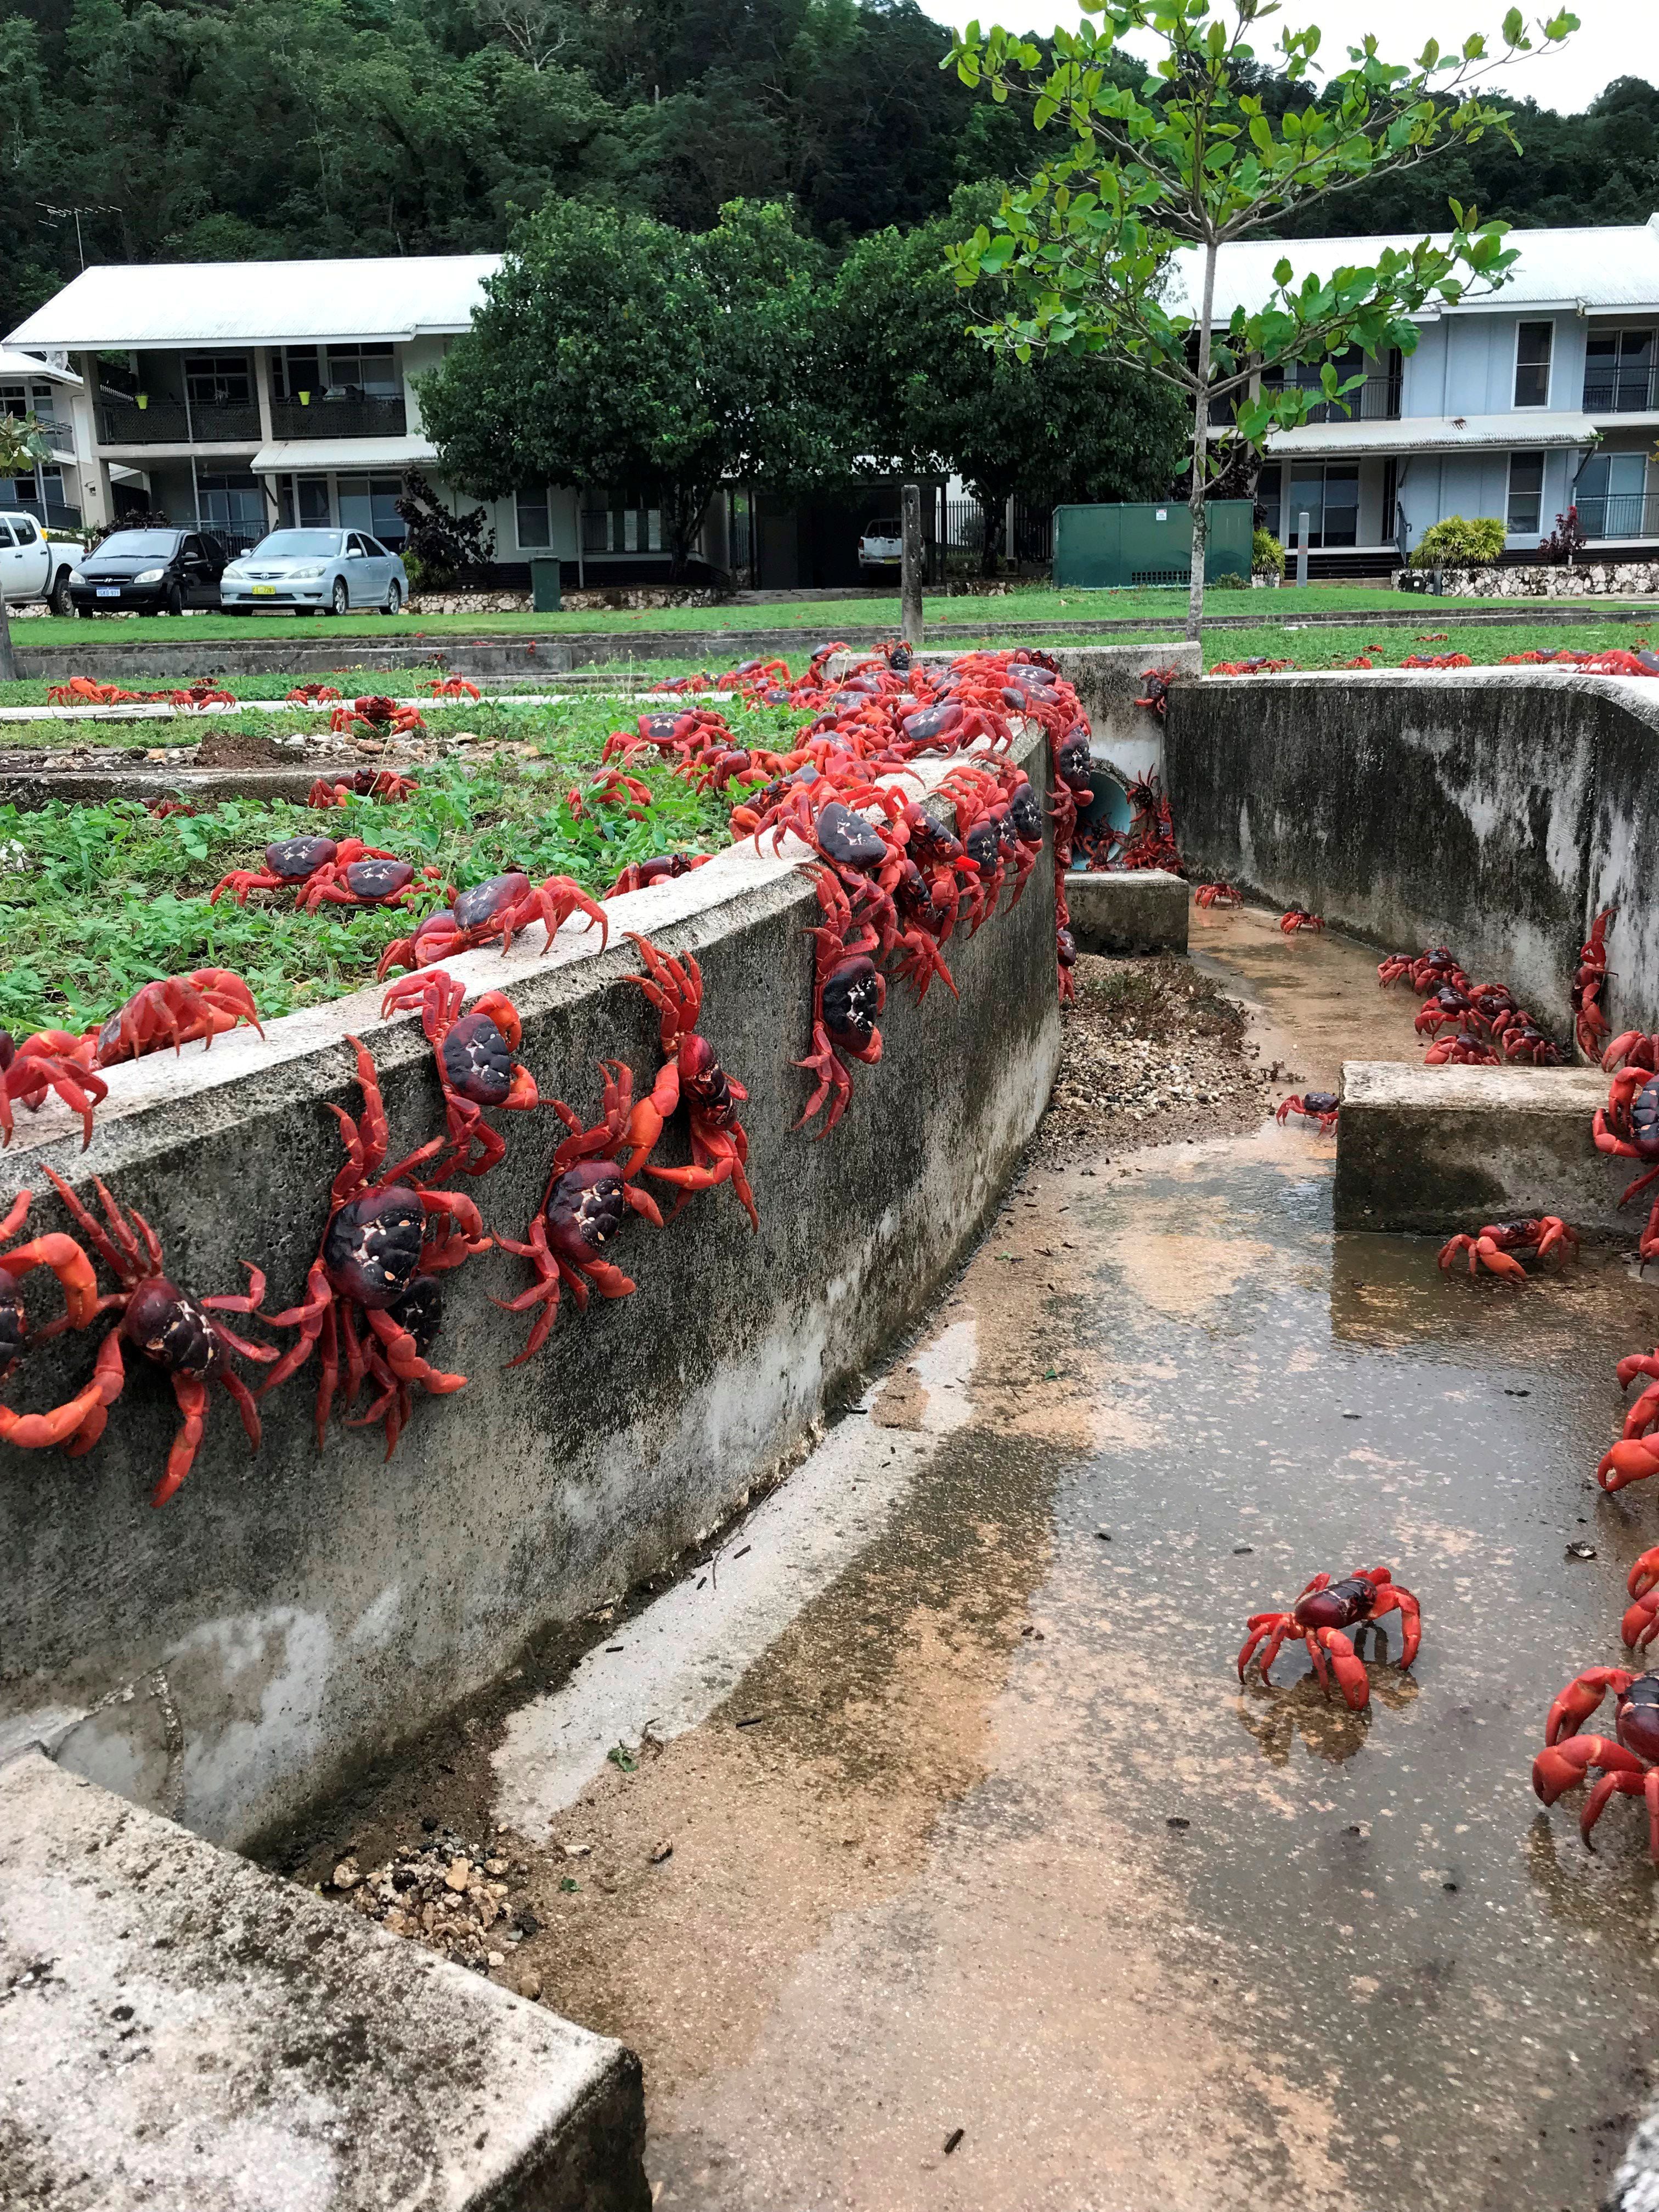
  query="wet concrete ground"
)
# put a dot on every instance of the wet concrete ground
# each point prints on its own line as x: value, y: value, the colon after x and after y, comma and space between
x: 954, y: 1816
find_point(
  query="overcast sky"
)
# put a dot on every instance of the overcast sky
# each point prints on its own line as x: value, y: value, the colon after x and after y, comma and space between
x: 1620, y: 38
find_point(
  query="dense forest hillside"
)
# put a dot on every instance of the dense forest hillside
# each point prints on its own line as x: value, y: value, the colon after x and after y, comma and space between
x: 215, y: 129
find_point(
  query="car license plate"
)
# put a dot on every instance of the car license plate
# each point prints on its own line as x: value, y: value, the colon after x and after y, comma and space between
x: 108, y: 591
x: 262, y: 591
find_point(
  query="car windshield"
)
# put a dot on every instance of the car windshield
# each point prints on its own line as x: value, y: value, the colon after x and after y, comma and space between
x: 891, y: 528
x: 297, y: 544
x: 126, y: 543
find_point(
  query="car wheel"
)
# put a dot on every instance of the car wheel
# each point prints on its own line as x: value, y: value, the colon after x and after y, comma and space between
x: 394, y: 598
x: 175, y: 599
x: 339, y: 599
x: 60, y: 599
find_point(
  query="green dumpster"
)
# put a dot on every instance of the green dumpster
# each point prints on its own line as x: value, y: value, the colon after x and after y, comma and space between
x: 1121, y: 547
x: 544, y: 583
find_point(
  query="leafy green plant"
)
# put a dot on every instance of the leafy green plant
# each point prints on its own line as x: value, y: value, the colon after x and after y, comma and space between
x: 1266, y: 555
x: 107, y: 897
x: 1460, y: 542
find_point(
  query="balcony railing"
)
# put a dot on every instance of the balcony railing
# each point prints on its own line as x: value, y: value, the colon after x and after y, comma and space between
x: 1621, y: 514
x: 57, y: 431
x: 1627, y: 390
x: 171, y: 423
x: 368, y: 417
x: 50, y: 513
x: 1376, y: 399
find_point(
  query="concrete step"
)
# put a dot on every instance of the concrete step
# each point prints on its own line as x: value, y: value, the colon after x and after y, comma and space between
x: 1141, y: 910
x: 179, y: 2031
x: 1443, y: 1149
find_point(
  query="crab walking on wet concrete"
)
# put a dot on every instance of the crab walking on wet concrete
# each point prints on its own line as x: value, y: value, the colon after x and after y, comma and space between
x: 914, y: 1800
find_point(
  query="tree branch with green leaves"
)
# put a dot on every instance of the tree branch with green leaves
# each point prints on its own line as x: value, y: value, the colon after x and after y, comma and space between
x: 1114, y: 247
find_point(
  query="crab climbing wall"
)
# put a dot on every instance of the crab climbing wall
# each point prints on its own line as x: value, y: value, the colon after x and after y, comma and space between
x: 283, y: 1620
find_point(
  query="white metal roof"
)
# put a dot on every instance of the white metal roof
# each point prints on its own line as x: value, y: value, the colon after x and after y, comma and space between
x: 343, y: 453
x: 1587, y: 271
x: 206, y: 303
x: 1434, y: 433
x: 14, y: 364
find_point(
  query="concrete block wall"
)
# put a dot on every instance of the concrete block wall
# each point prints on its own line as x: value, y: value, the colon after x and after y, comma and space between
x: 287, y: 1618
x: 1491, y: 810
x: 1107, y: 680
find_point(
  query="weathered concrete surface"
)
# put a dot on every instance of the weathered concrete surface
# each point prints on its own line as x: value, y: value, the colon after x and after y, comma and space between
x: 1141, y: 910
x: 179, y: 2031
x: 286, y: 1619
x: 27, y: 789
x: 1492, y: 809
x: 1635, y: 2184
x: 1003, y: 1846
x: 1442, y: 1149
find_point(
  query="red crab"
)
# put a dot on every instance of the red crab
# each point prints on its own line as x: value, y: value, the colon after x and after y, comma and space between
x: 1321, y: 1106
x: 660, y: 868
x: 849, y: 991
x: 502, y: 905
x: 1641, y: 1622
x: 1217, y: 894
x: 173, y: 1329
x: 1626, y: 1763
x: 163, y: 810
x: 47, y: 1061
x: 1635, y: 1457
x: 382, y: 716
x: 1467, y: 1048
x: 1299, y: 919
x: 363, y: 783
x: 588, y: 1198
x: 1628, y: 1127
x: 720, y: 1147
x: 324, y: 873
x: 476, y: 1067
x: 83, y: 691
x: 610, y: 788
x: 175, y: 1010
x: 311, y: 694
x: 203, y: 692
x: 1159, y: 682
x: 386, y: 1240
x: 34, y: 1431
x: 1492, y: 1246
x: 1324, y: 1609
x: 453, y: 687
x: 1588, y: 981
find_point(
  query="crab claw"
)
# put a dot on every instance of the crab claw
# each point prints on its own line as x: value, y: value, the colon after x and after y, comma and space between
x: 1580, y: 1699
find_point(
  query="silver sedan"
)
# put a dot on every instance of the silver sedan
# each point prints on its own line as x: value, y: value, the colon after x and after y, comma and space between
x: 326, y: 572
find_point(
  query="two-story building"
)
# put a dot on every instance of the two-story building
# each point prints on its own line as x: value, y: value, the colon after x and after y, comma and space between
x: 1516, y: 404
x: 44, y: 389
x: 242, y: 395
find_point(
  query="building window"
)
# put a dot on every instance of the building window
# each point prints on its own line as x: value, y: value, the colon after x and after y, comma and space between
x: 1618, y: 373
x: 1526, y: 494
x: 1532, y: 364
x: 620, y: 521
x: 302, y: 502
x: 218, y: 379
x: 370, y: 503
x: 232, y: 499
x: 361, y: 372
x: 1327, y: 493
x: 535, y: 519
x: 1611, y: 496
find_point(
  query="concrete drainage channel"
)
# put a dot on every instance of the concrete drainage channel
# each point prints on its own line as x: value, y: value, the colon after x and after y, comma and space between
x: 912, y: 1724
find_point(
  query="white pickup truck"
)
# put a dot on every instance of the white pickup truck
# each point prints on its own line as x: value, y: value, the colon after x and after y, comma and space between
x: 33, y: 566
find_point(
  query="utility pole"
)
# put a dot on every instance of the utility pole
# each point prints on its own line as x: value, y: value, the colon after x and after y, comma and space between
x: 1302, y: 547
x: 910, y: 571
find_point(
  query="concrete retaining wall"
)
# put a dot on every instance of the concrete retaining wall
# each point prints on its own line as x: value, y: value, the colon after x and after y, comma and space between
x: 1107, y: 680
x: 1491, y: 810
x: 286, y: 1619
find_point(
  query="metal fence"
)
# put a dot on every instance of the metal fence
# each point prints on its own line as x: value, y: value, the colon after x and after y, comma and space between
x: 1620, y: 514
x: 961, y: 528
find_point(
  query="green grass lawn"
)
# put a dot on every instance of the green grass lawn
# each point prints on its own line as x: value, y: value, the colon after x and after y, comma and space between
x: 822, y: 618
x: 590, y: 714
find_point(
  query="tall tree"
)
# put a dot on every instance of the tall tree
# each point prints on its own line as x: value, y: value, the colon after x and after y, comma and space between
x: 610, y: 349
x: 1193, y: 159
x: 920, y: 392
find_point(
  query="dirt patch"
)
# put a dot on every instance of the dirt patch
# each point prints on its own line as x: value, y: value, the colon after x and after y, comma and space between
x: 224, y: 747
x: 1154, y: 1051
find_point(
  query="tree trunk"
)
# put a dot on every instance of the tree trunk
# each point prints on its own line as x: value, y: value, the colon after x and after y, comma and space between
x: 1201, y: 452
x: 7, y: 665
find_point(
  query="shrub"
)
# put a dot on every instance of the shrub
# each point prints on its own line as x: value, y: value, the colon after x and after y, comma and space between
x: 1230, y: 581
x: 442, y: 544
x: 1266, y: 555
x: 1460, y: 542
x: 1566, y: 541
x: 138, y: 518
